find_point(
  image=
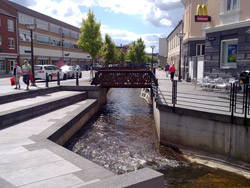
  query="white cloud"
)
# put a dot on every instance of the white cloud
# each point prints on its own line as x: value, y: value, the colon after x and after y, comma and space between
x: 159, y: 13
x: 125, y: 37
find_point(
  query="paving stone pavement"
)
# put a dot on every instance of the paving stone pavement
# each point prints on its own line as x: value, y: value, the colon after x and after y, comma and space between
x: 29, y: 160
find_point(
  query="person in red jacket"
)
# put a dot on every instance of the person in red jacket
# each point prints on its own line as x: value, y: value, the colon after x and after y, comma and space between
x: 172, y: 72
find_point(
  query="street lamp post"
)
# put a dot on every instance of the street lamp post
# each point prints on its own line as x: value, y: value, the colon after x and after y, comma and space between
x: 181, y: 36
x: 62, y: 47
x: 152, y: 56
x: 31, y: 27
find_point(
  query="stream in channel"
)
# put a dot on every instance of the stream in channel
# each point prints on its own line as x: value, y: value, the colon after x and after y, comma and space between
x: 122, y: 138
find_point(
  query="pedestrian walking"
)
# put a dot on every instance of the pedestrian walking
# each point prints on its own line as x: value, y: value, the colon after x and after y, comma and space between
x: 172, y: 72
x: 26, y: 71
x: 17, y: 74
x: 167, y: 69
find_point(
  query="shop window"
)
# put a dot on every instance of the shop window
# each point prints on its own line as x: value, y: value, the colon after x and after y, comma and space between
x: 0, y: 40
x: 10, y: 25
x: 2, y: 65
x: 11, y: 43
x: 200, y: 49
x: 229, y: 53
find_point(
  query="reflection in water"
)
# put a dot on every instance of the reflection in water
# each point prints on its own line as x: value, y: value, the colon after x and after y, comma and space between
x: 122, y: 138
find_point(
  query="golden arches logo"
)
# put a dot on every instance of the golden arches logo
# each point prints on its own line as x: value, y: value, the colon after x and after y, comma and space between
x: 202, y: 10
x: 202, y: 14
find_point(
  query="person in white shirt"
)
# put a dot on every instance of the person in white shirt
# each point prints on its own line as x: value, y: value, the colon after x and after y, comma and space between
x: 17, y: 74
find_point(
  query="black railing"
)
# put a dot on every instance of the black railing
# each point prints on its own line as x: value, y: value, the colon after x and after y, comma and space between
x: 235, y: 103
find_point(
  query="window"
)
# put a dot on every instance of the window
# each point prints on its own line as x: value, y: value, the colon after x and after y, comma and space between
x: 232, y: 5
x: 10, y: 25
x: 2, y: 65
x: 65, y: 32
x: 42, y: 39
x: 74, y: 45
x: 0, y: 40
x: 74, y: 35
x: 11, y: 43
x: 42, y: 25
x: 54, y: 29
x: 24, y: 36
x: 55, y: 42
x: 200, y: 49
x: 0, y: 21
x: 66, y: 44
x: 24, y: 19
x: 229, y: 55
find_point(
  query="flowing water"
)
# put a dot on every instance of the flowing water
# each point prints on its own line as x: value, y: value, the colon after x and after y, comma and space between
x: 122, y: 138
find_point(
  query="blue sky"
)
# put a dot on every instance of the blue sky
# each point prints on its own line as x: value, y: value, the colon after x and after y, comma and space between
x: 124, y: 20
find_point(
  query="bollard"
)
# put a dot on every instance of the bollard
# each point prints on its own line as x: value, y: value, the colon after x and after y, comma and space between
x: 58, y: 78
x: 47, y: 80
x: 77, y: 80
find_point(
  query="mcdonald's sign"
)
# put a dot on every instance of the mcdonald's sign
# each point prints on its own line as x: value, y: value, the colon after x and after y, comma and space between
x: 202, y: 14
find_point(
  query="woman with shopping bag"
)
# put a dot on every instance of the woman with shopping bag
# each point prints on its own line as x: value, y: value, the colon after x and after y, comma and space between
x: 16, y: 75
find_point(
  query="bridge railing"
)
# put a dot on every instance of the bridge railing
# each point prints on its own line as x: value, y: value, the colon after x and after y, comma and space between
x: 123, y: 78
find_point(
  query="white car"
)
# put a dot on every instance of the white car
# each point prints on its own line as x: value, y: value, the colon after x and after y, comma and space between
x: 52, y: 70
x: 71, y: 71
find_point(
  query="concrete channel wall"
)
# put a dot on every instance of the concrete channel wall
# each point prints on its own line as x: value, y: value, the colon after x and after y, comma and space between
x: 143, y: 178
x: 202, y: 131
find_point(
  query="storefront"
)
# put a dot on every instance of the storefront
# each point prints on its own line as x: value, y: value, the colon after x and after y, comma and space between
x: 227, y: 52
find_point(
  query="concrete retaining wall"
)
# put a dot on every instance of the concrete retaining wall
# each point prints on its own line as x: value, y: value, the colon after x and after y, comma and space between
x: 192, y: 129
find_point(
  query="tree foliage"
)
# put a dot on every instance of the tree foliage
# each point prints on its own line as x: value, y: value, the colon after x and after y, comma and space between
x: 121, y: 56
x: 140, y: 51
x: 109, y: 50
x: 137, y: 52
x: 90, y: 39
x: 131, y: 55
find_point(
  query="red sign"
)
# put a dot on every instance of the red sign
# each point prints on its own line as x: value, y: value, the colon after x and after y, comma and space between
x: 202, y: 18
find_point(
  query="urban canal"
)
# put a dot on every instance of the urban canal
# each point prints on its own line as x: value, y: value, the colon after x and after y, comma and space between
x: 122, y: 138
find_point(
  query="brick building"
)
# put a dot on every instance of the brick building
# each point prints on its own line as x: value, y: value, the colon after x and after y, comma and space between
x: 8, y: 41
x: 54, y: 41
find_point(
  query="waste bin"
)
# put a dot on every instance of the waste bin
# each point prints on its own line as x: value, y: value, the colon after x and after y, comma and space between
x: 244, y: 77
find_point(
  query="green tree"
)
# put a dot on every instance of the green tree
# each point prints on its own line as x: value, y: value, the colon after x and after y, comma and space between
x: 121, y: 56
x: 140, y: 51
x: 108, y: 50
x: 131, y: 56
x: 90, y: 39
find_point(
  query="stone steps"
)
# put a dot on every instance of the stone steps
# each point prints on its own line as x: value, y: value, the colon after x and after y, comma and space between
x: 21, y: 110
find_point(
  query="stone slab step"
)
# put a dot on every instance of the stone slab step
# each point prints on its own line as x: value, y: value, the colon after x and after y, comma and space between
x: 21, y: 110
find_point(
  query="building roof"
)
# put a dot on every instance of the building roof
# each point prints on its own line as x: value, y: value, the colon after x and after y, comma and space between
x: 180, y: 22
x: 2, y: 11
x: 38, y: 15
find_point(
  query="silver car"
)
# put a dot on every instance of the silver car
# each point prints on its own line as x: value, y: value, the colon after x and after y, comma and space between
x: 71, y: 71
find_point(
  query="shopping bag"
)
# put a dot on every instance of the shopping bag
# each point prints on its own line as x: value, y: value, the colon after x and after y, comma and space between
x: 12, y: 81
x: 31, y: 78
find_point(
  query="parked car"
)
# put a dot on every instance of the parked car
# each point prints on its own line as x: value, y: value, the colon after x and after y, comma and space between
x: 97, y: 66
x: 52, y: 70
x: 71, y: 71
